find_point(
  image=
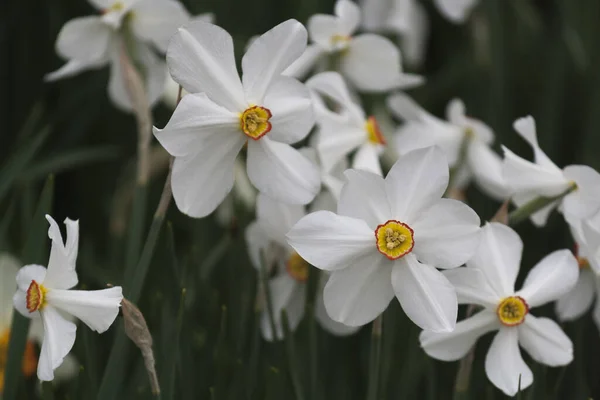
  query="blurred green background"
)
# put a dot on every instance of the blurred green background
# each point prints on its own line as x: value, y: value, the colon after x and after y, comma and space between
x: 511, y: 58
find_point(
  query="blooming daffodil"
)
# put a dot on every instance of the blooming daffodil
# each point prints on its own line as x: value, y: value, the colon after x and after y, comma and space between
x: 46, y: 293
x: 488, y: 280
x: 387, y: 239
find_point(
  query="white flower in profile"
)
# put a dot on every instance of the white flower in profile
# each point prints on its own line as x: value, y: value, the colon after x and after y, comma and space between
x: 529, y: 180
x: 341, y: 133
x: 488, y: 280
x: 456, y: 11
x: 466, y: 142
x: 406, y: 18
x: 387, y: 238
x: 370, y: 62
x: 47, y: 293
x: 288, y: 271
x: 222, y: 113
x: 578, y: 301
x: 96, y: 41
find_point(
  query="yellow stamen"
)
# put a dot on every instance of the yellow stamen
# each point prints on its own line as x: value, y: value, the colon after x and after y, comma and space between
x: 36, y: 297
x: 394, y: 239
x: 373, y: 132
x: 254, y: 122
x: 583, y: 262
x: 29, y: 358
x: 512, y: 310
x: 340, y: 40
x: 297, y: 267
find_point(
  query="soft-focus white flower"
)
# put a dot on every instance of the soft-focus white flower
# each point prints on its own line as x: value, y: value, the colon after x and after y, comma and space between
x: 578, y: 301
x: 95, y: 41
x: 405, y: 18
x: 289, y: 272
x: 348, y: 130
x: 46, y: 293
x: 528, y: 180
x: 466, y: 142
x: 370, y: 62
x: 387, y: 238
x: 456, y: 11
x: 222, y: 113
x: 332, y: 182
x: 488, y: 281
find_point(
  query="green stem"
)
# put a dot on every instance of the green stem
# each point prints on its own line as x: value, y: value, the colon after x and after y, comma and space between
x: 375, y: 358
x: 526, y: 210
x: 311, y: 295
x: 264, y: 277
x: 463, y: 376
x: 290, y: 349
x: 462, y: 157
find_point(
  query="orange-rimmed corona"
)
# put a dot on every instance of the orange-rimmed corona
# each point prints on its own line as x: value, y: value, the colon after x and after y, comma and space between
x: 36, y: 297
x: 297, y: 267
x: 394, y: 239
x: 512, y: 311
x: 373, y: 132
x: 255, y: 122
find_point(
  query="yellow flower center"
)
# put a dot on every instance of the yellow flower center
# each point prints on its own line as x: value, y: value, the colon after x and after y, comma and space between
x: 36, y: 297
x: 297, y: 267
x: 583, y: 262
x: 512, y: 310
x: 255, y: 122
x: 373, y: 132
x: 340, y: 40
x: 29, y: 358
x: 394, y: 239
x: 117, y: 6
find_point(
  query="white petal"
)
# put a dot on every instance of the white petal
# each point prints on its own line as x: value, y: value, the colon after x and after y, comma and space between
x: 20, y: 303
x: 414, y: 39
x: 584, y: 202
x: 498, y: 257
x: 330, y: 242
x: 61, y: 266
x: 85, y: 39
x: 257, y: 242
x: 194, y: 120
x: 71, y: 68
x: 552, y: 277
x: 416, y: 182
x: 363, y: 196
x: 290, y: 104
x: 158, y: 20
x: 371, y: 63
x: 277, y: 218
x: 456, y: 11
x: 451, y: 346
x: 526, y: 128
x: 30, y: 273
x: 349, y: 14
x: 472, y: 287
x: 425, y: 294
x: 590, y: 246
x: 486, y: 167
x: 201, y: 181
x: 331, y: 85
x: 367, y: 158
x: 336, y: 138
x: 59, y: 337
x: 447, y: 234
x: 269, y: 55
x: 576, y: 302
x: 96, y: 308
x: 200, y: 58
x: 9, y: 267
x: 322, y: 28
x: 545, y: 341
x: 331, y: 326
x: 281, y: 172
x: 504, y: 365
x: 306, y: 62
x: 282, y: 290
x: 374, y: 14
x: 357, y: 294
x: 405, y: 108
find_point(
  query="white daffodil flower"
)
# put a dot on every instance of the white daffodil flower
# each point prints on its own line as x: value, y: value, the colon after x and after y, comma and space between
x: 341, y: 133
x: 46, y: 293
x: 95, y: 41
x: 578, y: 301
x: 406, y: 18
x: 528, y: 180
x: 289, y: 276
x: 466, y: 142
x: 370, y: 62
x: 387, y: 238
x: 222, y: 113
x: 456, y: 11
x: 488, y: 280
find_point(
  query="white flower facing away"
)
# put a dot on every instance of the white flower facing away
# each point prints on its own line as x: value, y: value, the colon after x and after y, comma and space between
x: 466, y: 142
x: 341, y: 133
x: 387, y: 239
x: 578, y: 301
x: 222, y: 113
x: 289, y: 272
x: 528, y: 180
x: 406, y: 18
x: 456, y: 11
x: 95, y: 41
x: 46, y: 293
x: 488, y: 280
x: 370, y: 62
